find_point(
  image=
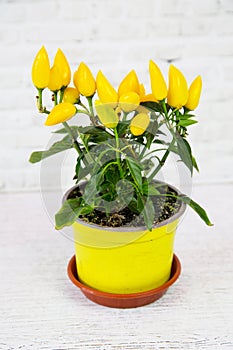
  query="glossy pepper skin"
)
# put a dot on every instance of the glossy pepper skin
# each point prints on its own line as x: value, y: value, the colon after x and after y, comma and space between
x: 60, y: 113
x: 84, y: 80
x: 129, y: 84
x: 129, y: 101
x: 108, y: 117
x: 158, y: 84
x: 139, y: 124
x: 41, y: 69
x: 194, y: 93
x: 71, y: 95
x: 55, y: 80
x: 178, y: 89
x: 62, y: 64
x: 106, y: 92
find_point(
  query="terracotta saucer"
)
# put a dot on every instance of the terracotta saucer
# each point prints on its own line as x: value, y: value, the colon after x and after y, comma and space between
x: 124, y: 300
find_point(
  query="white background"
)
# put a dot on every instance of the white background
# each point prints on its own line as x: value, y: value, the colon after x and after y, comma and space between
x: 116, y: 36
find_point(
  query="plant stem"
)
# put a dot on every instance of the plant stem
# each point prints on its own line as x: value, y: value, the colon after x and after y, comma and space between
x: 83, y: 105
x: 40, y: 100
x: 92, y: 115
x: 166, y: 154
x: 55, y: 98
x: 62, y: 93
x: 70, y: 132
x: 162, y: 161
x: 118, y: 157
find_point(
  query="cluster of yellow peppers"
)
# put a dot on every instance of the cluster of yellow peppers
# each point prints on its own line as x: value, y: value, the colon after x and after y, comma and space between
x: 111, y: 102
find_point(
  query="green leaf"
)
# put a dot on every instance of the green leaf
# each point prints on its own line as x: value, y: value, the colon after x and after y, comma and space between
x: 197, y: 208
x: 122, y: 127
x: 64, y: 131
x: 187, y: 122
x: 59, y: 146
x: 68, y: 213
x: 154, y: 106
x: 152, y: 191
x: 91, y: 191
x: 135, y: 171
x: 195, y: 163
x: 185, y: 153
x: 148, y: 211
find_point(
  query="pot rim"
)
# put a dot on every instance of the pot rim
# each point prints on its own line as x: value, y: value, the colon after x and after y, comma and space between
x: 174, y: 217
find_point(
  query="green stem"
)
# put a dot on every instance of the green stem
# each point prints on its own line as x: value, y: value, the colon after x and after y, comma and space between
x: 62, y: 93
x: 75, y: 143
x: 118, y: 154
x: 83, y: 105
x: 92, y: 115
x: 55, y: 97
x: 162, y: 161
x: 124, y: 116
x: 83, y: 111
x: 40, y: 100
x: 166, y: 154
x: 70, y: 132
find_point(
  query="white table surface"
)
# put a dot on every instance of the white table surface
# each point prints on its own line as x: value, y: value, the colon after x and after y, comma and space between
x: 41, y: 309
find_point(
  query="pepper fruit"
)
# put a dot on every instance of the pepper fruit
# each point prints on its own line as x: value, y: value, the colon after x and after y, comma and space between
x: 129, y: 101
x: 84, y: 80
x: 194, y: 93
x: 106, y: 114
x: 55, y: 80
x: 139, y: 124
x: 106, y: 91
x: 178, y: 89
x: 129, y: 83
x: 41, y: 69
x: 142, y: 91
x: 60, y: 113
x: 158, y: 84
x: 62, y: 64
x: 71, y: 95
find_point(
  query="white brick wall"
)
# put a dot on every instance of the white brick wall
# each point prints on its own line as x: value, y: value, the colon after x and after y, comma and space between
x: 116, y: 36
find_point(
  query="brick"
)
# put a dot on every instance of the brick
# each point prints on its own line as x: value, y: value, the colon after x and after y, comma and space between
x: 190, y: 7
x: 41, y: 11
x: 227, y: 5
x: 60, y: 32
x: 12, y: 12
x: 165, y: 27
x: 12, y: 78
x: 73, y: 10
x: 140, y: 10
x: 8, y: 34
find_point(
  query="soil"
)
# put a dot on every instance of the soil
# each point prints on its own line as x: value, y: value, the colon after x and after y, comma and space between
x: 165, y: 207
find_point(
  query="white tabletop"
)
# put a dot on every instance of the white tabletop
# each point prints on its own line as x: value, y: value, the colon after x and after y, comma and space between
x: 41, y: 309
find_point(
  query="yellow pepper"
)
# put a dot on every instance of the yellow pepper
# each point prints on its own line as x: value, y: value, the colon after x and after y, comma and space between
x: 106, y: 91
x: 61, y: 113
x: 41, y: 69
x: 129, y: 101
x: 129, y: 83
x: 71, y: 95
x: 62, y: 64
x: 194, y: 93
x: 84, y: 80
x: 106, y: 114
x: 142, y: 91
x: 55, y: 80
x: 158, y: 84
x: 178, y: 88
x: 148, y: 98
x: 139, y: 124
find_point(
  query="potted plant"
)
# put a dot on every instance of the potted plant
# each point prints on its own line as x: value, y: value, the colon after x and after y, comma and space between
x: 124, y: 218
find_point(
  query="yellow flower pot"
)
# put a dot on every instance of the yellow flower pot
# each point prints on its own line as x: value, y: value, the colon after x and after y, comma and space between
x: 125, y: 260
